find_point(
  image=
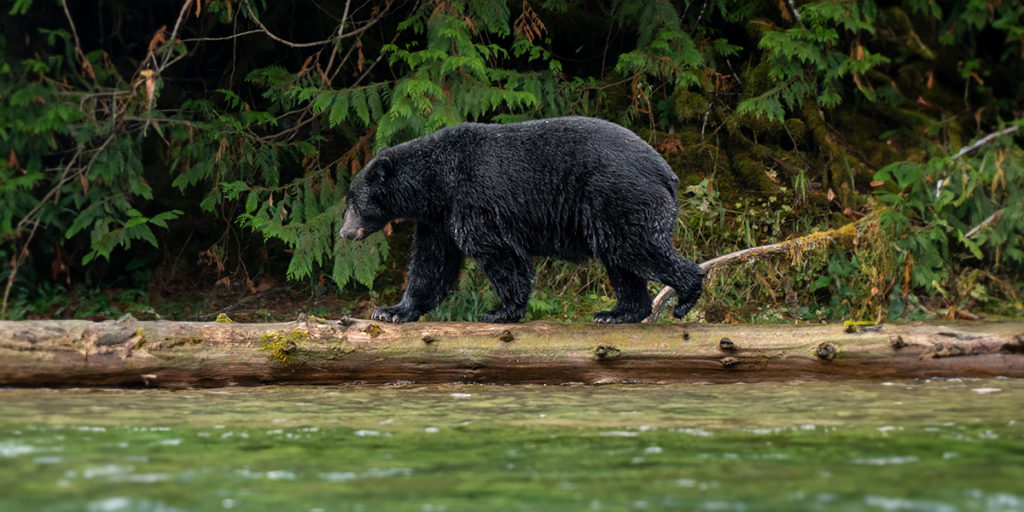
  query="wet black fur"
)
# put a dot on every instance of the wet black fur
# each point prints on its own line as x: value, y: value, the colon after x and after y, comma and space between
x: 571, y: 188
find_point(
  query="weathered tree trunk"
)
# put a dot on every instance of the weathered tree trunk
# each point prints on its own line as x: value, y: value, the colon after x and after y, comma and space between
x: 198, y: 354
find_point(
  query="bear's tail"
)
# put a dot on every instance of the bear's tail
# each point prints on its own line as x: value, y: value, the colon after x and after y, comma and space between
x: 667, y: 177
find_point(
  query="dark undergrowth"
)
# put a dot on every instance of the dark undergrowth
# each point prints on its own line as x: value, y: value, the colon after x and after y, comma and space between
x: 179, y: 164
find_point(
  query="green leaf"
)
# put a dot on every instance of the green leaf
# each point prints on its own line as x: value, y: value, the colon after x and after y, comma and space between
x: 161, y: 218
x: 767, y: 107
x: 143, y: 232
x: 339, y: 110
x: 20, y: 7
x: 323, y: 101
x: 135, y: 221
x: 970, y: 244
x: 360, y: 106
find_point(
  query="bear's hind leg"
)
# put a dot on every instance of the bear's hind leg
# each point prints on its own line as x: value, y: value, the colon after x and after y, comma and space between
x: 669, y: 267
x: 512, y: 278
x: 687, y: 302
x: 633, y: 303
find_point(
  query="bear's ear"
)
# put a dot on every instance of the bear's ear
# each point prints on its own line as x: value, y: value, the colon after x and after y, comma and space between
x: 383, y: 168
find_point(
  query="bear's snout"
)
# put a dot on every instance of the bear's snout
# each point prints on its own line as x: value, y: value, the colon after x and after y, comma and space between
x: 351, y: 228
x: 353, y: 233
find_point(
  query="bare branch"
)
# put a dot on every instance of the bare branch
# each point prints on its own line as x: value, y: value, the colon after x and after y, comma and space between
x: 341, y: 32
x: 984, y: 140
x: 174, y: 34
x: 793, y: 247
x: 86, y: 65
x: 796, y: 13
x: 996, y: 215
x: 224, y: 38
x: 941, y: 182
x: 19, y: 258
x: 256, y: 20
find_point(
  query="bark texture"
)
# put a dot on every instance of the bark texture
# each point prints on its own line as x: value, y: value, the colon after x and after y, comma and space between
x: 131, y: 353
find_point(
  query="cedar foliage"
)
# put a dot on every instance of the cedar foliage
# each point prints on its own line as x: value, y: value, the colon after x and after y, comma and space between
x: 135, y: 136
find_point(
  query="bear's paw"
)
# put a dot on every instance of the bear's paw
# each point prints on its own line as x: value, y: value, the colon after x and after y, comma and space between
x: 395, y: 315
x: 501, y: 316
x: 619, y: 317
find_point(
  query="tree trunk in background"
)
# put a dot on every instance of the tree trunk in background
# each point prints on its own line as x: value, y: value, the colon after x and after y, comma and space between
x: 132, y: 353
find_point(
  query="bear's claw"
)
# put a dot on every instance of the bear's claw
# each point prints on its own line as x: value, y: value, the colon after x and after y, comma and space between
x: 394, y: 315
x: 687, y: 303
x: 500, y: 316
x: 618, y: 317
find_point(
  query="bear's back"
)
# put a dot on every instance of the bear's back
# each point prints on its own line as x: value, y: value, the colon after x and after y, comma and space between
x: 556, y: 154
x: 554, y: 187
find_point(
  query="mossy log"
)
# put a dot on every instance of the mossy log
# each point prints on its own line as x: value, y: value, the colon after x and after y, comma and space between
x: 130, y: 353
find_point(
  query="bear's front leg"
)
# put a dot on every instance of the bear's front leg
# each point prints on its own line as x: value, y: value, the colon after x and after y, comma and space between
x: 511, y: 275
x: 434, y: 268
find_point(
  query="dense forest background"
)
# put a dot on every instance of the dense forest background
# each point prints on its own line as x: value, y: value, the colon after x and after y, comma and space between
x: 180, y: 159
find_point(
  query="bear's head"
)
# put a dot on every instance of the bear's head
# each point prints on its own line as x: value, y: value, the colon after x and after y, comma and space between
x: 367, y: 204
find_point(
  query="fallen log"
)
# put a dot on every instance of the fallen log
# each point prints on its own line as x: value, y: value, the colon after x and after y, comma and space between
x: 131, y: 353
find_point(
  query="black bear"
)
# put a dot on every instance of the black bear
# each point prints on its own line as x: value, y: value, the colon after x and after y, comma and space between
x: 571, y: 188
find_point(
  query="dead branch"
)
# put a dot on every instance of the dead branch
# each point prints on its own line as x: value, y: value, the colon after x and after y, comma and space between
x: 222, y: 38
x: 174, y: 34
x: 339, y: 33
x: 793, y: 248
x: 984, y: 140
x: 19, y: 258
x: 796, y: 13
x: 86, y: 65
x: 996, y: 215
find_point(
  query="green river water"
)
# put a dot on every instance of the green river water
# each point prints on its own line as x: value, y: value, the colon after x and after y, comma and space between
x: 937, y: 445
